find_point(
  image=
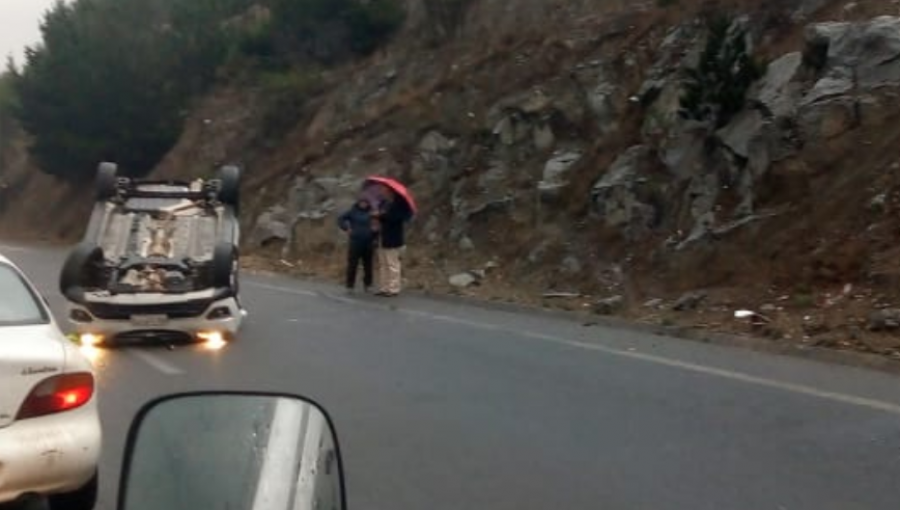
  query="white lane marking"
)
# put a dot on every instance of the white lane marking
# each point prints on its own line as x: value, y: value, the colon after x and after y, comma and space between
x: 15, y: 249
x: 279, y: 288
x: 301, y: 321
x: 692, y: 367
x: 157, y: 363
x: 457, y: 320
x: 341, y: 299
x: 304, y: 498
x: 843, y: 398
x: 279, y: 463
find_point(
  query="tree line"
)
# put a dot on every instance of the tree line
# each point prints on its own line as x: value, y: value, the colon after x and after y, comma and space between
x: 114, y: 79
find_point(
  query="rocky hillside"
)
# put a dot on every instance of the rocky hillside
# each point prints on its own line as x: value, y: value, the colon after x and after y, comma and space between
x: 671, y: 161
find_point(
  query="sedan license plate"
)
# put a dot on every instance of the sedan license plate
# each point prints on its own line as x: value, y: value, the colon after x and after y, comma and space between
x: 149, y: 320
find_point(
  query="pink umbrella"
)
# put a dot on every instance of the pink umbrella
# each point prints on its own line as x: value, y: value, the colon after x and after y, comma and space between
x: 397, y: 187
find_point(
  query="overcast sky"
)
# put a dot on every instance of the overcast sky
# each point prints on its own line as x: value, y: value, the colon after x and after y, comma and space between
x: 19, y: 21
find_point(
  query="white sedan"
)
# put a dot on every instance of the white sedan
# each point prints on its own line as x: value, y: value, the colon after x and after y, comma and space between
x: 50, y: 432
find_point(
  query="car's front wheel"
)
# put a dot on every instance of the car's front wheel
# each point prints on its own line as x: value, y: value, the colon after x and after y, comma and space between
x: 84, y: 498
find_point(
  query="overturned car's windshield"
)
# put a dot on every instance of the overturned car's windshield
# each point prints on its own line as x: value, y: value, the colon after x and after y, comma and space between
x: 19, y: 306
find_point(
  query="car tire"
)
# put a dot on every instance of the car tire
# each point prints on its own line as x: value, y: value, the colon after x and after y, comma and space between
x: 229, y: 177
x: 84, y: 498
x: 107, y: 181
x: 76, y: 273
x: 236, y: 276
x: 223, y: 266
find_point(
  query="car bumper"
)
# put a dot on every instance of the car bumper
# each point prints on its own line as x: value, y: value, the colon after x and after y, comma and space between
x: 50, y: 454
x: 191, y: 326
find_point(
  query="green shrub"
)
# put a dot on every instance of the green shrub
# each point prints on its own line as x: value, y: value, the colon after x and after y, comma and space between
x: 445, y: 16
x: 373, y: 23
x: 333, y: 30
x: 716, y: 90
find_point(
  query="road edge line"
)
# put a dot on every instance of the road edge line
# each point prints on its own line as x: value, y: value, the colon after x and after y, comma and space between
x: 744, y: 342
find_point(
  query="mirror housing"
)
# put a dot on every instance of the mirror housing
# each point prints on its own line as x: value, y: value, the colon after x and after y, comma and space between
x: 240, y: 450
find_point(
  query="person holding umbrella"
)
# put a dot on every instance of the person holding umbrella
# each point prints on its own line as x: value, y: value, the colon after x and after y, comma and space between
x: 396, y: 209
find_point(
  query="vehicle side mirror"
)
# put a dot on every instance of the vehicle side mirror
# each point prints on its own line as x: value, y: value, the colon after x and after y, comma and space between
x: 231, y: 450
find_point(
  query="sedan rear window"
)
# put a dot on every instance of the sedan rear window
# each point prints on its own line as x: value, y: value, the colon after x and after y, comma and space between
x: 19, y: 306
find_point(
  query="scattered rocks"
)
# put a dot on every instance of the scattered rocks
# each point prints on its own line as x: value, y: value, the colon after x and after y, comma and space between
x: 271, y: 226
x: 827, y: 119
x: 779, y: 90
x: 878, y: 202
x: 609, y: 305
x: 463, y: 280
x: 513, y: 129
x: 887, y: 319
x: 829, y: 340
x: 741, y: 133
x: 436, y: 158
x: 571, y: 265
x: 871, y: 49
x: 435, y: 142
x: 617, y: 194
x: 772, y: 332
x: 853, y: 60
x: 555, y: 172
x: 602, y: 104
x: 537, y: 255
x: 689, y: 301
x: 560, y: 295
x: 559, y: 165
x: 654, y: 303
x: 815, y: 326
x: 806, y: 8
x: 544, y: 139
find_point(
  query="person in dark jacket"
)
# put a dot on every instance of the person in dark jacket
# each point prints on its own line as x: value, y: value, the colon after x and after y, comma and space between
x: 358, y: 223
x: 392, y: 218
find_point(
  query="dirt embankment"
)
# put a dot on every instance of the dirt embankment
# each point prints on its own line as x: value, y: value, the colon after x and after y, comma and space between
x: 33, y: 205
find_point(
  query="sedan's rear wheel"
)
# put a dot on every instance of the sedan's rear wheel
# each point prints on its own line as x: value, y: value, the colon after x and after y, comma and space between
x: 106, y: 181
x: 230, y: 186
x: 84, y: 498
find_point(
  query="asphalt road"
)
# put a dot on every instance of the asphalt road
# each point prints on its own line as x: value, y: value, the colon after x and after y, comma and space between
x: 445, y: 407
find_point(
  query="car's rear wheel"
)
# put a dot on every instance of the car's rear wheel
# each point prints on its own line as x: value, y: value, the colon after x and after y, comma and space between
x: 107, y: 181
x: 84, y: 498
x: 230, y: 186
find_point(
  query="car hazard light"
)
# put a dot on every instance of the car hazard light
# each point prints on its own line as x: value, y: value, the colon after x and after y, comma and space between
x: 56, y: 394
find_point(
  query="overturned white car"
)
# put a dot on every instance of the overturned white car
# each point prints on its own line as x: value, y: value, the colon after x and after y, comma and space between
x: 159, y: 261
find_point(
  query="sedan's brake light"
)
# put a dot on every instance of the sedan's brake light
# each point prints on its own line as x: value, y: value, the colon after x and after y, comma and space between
x: 57, y: 394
